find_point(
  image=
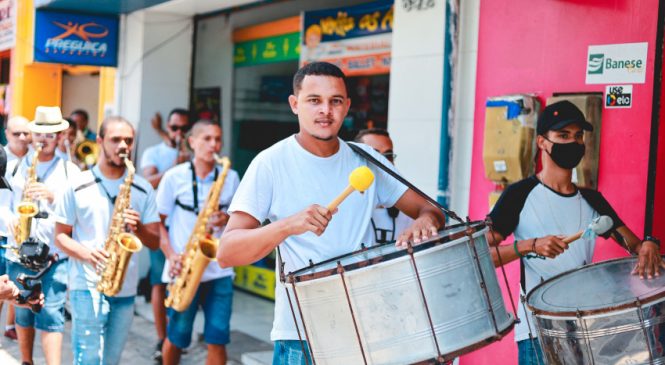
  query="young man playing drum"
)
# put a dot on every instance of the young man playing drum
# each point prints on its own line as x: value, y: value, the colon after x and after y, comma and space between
x: 286, y: 183
x: 542, y: 209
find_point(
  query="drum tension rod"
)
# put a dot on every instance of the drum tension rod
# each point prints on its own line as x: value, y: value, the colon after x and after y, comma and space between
x: 638, y: 303
x: 409, y: 248
x: 292, y: 281
x: 586, y: 337
x: 340, y: 271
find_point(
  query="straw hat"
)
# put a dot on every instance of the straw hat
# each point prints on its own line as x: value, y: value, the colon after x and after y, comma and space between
x: 48, y: 119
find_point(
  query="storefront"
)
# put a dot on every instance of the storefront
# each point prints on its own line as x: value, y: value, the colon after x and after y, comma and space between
x: 62, y: 58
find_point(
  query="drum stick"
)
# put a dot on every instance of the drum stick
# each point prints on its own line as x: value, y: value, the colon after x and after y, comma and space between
x: 360, y: 179
x: 598, y: 226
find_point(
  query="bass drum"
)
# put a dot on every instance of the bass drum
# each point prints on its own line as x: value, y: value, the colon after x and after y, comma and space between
x: 383, y: 305
x: 601, y: 314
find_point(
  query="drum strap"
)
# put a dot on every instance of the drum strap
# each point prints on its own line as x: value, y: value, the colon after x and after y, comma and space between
x: 392, y: 173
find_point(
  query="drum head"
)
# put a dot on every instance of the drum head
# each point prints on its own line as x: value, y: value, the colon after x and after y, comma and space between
x: 595, y: 289
x: 382, y: 253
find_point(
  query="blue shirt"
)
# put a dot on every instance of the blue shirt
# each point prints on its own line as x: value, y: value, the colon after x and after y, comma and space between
x: 161, y: 156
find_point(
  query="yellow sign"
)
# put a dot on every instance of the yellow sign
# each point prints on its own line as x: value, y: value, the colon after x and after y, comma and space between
x: 257, y: 280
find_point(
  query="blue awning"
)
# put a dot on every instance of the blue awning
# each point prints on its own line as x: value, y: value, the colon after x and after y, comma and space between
x: 97, y: 6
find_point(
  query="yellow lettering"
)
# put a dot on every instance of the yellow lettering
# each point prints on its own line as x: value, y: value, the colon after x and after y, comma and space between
x: 370, y: 22
x: 270, y: 51
x: 387, y: 21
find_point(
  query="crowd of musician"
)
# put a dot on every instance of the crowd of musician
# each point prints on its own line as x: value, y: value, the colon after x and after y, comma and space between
x: 76, y: 209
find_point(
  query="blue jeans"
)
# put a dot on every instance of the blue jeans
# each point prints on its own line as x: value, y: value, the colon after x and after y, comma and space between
x: 216, y: 299
x: 157, y: 260
x: 289, y: 352
x: 100, y: 326
x: 527, y: 355
x: 54, y: 286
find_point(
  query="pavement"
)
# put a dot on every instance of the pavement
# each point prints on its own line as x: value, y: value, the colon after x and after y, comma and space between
x: 251, y: 321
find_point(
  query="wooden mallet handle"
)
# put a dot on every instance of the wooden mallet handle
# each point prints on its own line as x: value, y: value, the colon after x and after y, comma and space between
x: 333, y: 205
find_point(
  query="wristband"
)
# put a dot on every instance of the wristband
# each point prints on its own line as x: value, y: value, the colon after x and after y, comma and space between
x: 516, y: 250
x: 652, y: 239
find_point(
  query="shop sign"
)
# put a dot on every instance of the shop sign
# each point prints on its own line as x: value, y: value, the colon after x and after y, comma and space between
x: 617, y: 63
x: 76, y: 38
x: 7, y: 24
x: 358, y: 39
x: 279, y: 48
x: 618, y: 96
x: 257, y: 280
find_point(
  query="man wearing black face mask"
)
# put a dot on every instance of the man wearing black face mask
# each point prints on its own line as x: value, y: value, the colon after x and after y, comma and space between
x: 542, y: 209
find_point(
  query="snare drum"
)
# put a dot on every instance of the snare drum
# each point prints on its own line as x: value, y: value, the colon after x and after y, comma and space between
x: 383, y: 305
x: 601, y: 314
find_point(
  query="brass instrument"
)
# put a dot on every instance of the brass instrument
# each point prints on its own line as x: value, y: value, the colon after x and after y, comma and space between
x: 201, y: 248
x: 87, y: 152
x: 119, y: 244
x: 27, y: 208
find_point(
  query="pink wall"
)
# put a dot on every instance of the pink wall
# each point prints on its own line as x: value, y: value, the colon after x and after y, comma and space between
x: 540, y: 46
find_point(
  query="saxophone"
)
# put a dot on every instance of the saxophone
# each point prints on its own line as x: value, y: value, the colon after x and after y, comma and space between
x: 119, y: 244
x: 27, y: 208
x: 201, y: 248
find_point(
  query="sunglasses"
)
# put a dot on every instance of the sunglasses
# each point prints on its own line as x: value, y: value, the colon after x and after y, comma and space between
x: 18, y: 134
x: 50, y: 136
x: 175, y: 128
x: 391, y: 156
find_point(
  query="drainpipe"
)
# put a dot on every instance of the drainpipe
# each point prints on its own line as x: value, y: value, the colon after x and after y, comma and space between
x: 450, y: 46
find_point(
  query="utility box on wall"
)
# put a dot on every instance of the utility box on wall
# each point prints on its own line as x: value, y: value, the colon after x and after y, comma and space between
x: 591, y: 104
x: 508, y: 147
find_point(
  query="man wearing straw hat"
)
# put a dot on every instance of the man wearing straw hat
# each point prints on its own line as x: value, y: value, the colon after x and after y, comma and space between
x: 52, y: 178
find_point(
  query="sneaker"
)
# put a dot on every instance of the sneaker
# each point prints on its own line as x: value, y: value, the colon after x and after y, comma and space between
x: 11, y: 334
x: 157, y: 355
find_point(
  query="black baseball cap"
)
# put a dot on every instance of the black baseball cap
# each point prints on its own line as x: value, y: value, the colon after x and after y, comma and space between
x: 560, y: 114
x: 3, y: 168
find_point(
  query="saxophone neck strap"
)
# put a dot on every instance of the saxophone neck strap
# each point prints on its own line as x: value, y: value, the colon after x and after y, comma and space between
x: 98, y: 180
x: 195, y: 191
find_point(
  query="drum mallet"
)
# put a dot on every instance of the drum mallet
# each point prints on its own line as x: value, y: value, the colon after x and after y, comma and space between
x: 361, y: 178
x: 599, y: 225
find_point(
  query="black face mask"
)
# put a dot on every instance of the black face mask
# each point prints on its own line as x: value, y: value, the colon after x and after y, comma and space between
x: 567, y: 155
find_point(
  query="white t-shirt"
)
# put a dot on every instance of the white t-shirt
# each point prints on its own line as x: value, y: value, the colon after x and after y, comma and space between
x: 86, y: 207
x: 162, y: 156
x: 529, y: 209
x: 285, y: 179
x: 11, y: 156
x: 176, y: 184
x: 56, y: 178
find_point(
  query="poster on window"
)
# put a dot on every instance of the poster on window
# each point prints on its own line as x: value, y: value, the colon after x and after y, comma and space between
x: 358, y: 39
x: 7, y: 24
x: 207, y: 104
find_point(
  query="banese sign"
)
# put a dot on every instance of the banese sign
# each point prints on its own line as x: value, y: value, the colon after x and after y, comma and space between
x: 617, y: 63
x: 77, y: 39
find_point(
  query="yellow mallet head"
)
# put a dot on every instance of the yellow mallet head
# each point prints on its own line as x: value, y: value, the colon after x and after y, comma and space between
x: 361, y: 178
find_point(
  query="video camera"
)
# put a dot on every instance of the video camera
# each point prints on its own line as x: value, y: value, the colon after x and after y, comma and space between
x: 33, y: 255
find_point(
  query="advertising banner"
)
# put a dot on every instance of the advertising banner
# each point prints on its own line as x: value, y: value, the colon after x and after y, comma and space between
x: 7, y: 24
x: 617, y: 63
x: 76, y: 39
x: 285, y: 47
x: 357, y: 39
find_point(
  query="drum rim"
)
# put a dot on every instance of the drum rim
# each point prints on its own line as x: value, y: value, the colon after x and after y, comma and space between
x: 588, y: 312
x: 294, y: 276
